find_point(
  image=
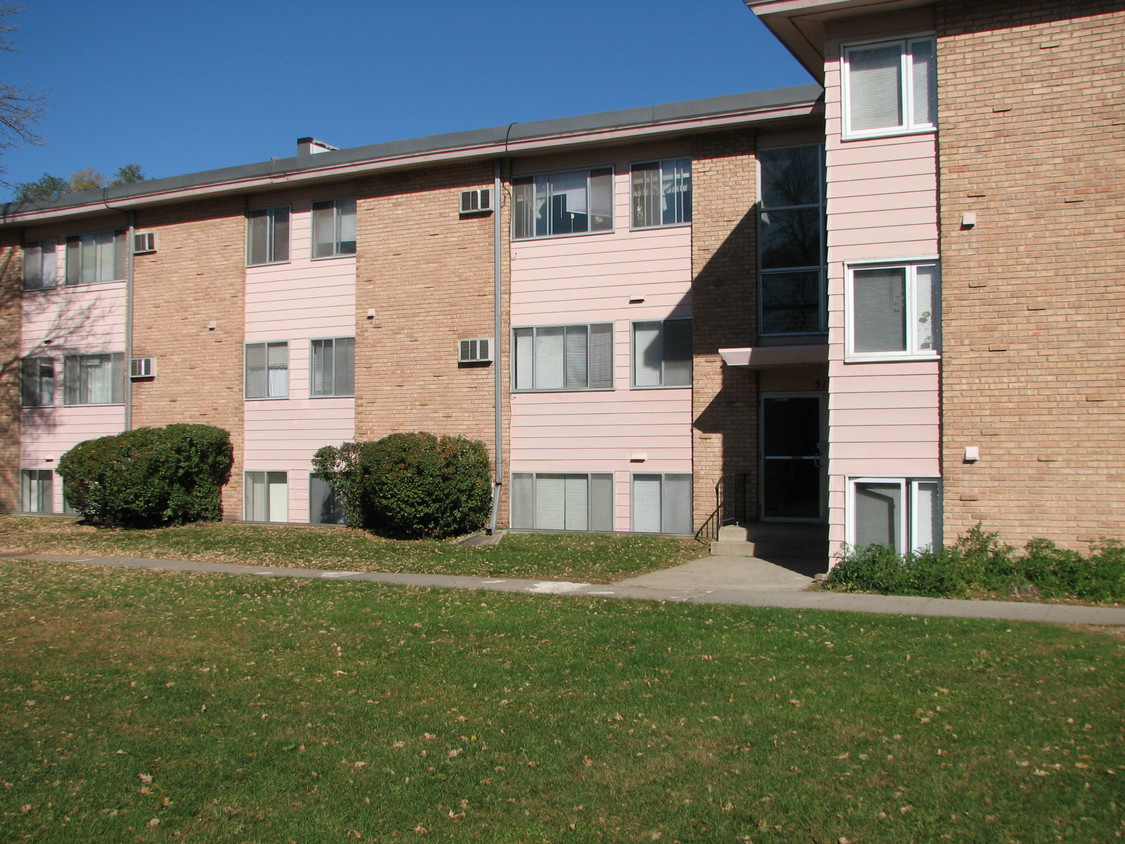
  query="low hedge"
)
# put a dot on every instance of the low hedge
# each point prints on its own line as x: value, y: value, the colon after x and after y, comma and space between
x: 149, y: 477
x: 410, y: 485
x: 980, y: 562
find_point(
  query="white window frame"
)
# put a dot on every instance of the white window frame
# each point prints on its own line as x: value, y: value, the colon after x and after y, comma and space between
x: 663, y: 377
x: 908, y: 524
x: 342, y: 385
x: 673, y: 184
x: 523, y: 370
x: 77, y: 391
x: 913, y: 311
x: 86, y: 258
x: 37, y: 489
x: 525, y: 515
x: 665, y: 516
x: 278, y: 233
x: 820, y: 269
x: 41, y: 264
x: 340, y: 216
x: 270, y: 486
x: 272, y: 389
x: 37, y: 386
x: 907, y: 125
x: 528, y: 190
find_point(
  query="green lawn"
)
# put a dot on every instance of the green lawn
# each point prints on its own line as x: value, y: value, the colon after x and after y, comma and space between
x: 577, y: 557
x: 151, y: 706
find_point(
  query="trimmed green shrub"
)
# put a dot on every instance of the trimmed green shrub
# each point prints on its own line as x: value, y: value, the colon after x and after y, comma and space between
x: 980, y: 562
x: 149, y: 477
x: 410, y: 485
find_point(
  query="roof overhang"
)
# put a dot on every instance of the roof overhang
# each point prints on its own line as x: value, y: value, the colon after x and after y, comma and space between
x: 516, y: 139
x: 800, y: 24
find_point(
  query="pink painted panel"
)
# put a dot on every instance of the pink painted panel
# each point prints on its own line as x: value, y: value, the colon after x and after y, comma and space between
x: 298, y: 301
x: 48, y: 433
x: 84, y: 318
x: 593, y: 278
x: 303, y: 298
x: 283, y: 435
x: 905, y: 399
x: 876, y: 185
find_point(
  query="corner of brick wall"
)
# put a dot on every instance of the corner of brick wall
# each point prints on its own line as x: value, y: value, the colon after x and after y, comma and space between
x: 1032, y: 140
x: 724, y: 244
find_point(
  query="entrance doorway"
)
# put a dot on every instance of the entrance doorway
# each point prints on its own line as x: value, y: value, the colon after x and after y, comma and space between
x: 792, y: 472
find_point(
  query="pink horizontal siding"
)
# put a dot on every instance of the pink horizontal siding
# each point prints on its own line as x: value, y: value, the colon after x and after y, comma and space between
x: 83, y: 318
x: 592, y: 278
x: 298, y: 301
x: 883, y: 417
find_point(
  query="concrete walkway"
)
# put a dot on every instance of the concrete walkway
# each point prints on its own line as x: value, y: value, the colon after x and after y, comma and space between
x: 710, y: 580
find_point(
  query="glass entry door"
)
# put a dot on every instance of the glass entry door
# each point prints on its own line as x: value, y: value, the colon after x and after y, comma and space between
x: 792, y: 473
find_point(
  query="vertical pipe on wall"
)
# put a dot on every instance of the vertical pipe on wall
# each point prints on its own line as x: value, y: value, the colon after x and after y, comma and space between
x: 129, y: 264
x: 497, y: 344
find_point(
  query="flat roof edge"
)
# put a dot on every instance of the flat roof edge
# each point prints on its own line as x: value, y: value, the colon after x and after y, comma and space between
x: 479, y: 142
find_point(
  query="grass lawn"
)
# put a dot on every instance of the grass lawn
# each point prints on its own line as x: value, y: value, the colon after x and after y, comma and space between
x: 577, y: 557
x: 152, y: 706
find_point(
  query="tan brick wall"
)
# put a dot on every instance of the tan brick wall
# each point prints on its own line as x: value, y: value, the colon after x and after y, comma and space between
x: 196, y: 276
x: 724, y: 244
x: 428, y: 274
x: 1032, y: 139
x: 11, y: 271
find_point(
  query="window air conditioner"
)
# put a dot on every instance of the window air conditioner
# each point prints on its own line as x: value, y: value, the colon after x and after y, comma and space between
x: 475, y: 351
x: 144, y: 242
x: 141, y: 368
x: 476, y: 201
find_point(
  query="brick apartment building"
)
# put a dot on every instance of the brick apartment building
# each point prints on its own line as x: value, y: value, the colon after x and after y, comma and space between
x: 809, y: 307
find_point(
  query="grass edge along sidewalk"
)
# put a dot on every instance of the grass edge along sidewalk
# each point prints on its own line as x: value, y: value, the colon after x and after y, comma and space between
x: 139, y: 705
x: 595, y: 558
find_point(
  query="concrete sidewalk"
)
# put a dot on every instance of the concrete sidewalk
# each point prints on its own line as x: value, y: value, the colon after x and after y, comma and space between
x: 711, y: 580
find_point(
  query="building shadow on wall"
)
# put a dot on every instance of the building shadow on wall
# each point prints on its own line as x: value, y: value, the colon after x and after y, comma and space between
x: 68, y: 322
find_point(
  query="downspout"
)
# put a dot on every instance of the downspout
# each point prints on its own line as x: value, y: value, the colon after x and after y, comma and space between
x: 497, y: 342
x: 129, y: 262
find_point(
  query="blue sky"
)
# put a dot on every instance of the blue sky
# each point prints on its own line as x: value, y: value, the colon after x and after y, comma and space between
x: 192, y: 85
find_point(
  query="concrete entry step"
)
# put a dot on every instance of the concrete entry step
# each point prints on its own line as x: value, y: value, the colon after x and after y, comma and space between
x: 799, y: 546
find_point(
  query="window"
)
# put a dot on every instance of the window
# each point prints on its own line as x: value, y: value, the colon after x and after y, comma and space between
x: 895, y: 311
x: 901, y: 513
x: 325, y: 508
x: 267, y: 370
x: 267, y: 497
x: 40, y: 265
x: 662, y: 504
x: 563, y: 357
x: 35, y: 491
x: 562, y: 203
x: 791, y: 241
x: 267, y: 236
x: 92, y: 258
x: 546, y: 501
x: 37, y: 382
x: 333, y: 224
x: 661, y: 193
x: 94, y: 379
x: 333, y: 367
x: 890, y: 87
x: 662, y: 353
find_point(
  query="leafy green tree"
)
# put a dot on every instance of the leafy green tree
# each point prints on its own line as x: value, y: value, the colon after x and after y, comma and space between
x: 127, y: 175
x: 87, y: 178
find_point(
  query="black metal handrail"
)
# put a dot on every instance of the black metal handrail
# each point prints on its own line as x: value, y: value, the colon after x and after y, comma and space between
x: 731, y: 500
